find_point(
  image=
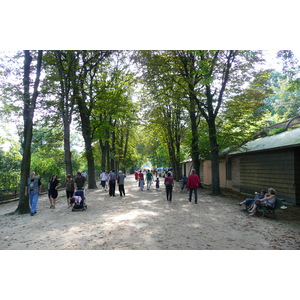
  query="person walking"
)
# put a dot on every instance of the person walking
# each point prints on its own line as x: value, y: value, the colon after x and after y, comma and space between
x: 157, y: 183
x: 169, y: 183
x: 70, y: 187
x: 103, y: 178
x: 141, y: 181
x: 120, y: 180
x: 136, y: 175
x: 34, y: 189
x: 112, y: 183
x: 193, y: 184
x: 79, y: 182
x: 106, y: 182
x: 53, y: 185
x: 149, y: 177
x: 84, y: 174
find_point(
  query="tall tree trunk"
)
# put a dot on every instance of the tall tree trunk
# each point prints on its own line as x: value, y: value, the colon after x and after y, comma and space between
x: 28, y: 114
x: 87, y: 133
x: 103, y: 154
x: 195, y: 140
x: 66, y: 108
x: 84, y: 111
x: 214, y: 149
x: 113, y: 149
x: 67, y: 148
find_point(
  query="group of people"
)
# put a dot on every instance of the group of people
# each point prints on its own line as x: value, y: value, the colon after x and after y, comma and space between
x: 192, y: 183
x: 267, y: 199
x: 109, y: 181
x: 139, y: 176
x: 34, y: 188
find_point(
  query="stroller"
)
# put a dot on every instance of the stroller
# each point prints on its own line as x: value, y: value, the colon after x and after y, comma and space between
x: 81, y: 205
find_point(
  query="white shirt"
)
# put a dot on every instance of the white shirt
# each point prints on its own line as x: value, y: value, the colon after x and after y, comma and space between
x: 103, y: 176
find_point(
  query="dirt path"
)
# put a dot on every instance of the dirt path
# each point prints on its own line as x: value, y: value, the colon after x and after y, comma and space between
x: 144, y: 220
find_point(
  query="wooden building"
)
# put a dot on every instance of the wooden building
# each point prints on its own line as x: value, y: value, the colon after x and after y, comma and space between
x: 272, y: 161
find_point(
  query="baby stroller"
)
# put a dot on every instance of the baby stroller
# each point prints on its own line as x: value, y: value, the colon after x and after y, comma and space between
x: 81, y: 205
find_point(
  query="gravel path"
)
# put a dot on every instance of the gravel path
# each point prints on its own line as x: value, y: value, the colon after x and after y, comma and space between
x: 144, y: 220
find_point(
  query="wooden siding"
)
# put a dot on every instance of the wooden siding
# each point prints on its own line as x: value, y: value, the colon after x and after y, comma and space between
x: 297, y: 175
x: 235, y: 181
x: 269, y: 169
x: 187, y: 169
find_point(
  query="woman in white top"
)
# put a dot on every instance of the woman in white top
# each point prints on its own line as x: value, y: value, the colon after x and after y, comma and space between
x: 103, y: 177
x: 268, y: 200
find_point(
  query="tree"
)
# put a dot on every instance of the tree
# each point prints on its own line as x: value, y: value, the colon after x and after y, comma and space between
x: 211, y: 77
x: 65, y: 63
x: 206, y: 79
x: 163, y: 102
x: 114, y: 114
x: 87, y: 65
x: 28, y: 114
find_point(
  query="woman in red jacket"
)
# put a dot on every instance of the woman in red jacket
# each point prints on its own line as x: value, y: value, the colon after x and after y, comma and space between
x: 169, y: 183
x: 193, y: 184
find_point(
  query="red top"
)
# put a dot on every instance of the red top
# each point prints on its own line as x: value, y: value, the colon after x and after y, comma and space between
x: 170, y: 179
x: 141, y: 176
x: 193, y: 181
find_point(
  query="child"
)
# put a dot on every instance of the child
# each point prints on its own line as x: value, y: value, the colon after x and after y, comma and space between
x: 157, y: 183
x: 75, y: 199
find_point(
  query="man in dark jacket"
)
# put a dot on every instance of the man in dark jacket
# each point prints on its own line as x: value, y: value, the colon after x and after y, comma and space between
x: 79, y: 182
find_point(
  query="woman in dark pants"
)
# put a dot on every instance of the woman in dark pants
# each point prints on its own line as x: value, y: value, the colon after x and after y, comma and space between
x: 169, y: 183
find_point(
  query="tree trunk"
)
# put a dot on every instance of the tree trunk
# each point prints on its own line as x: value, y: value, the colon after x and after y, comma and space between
x: 214, y: 148
x: 67, y: 148
x: 103, y: 154
x: 87, y: 133
x: 195, y: 140
x: 66, y: 108
x: 84, y: 111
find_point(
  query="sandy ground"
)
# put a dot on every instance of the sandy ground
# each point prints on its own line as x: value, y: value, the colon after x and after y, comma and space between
x: 144, y: 220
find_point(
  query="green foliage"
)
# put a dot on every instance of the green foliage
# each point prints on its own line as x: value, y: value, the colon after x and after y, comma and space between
x: 276, y: 131
x: 10, y: 161
x: 284, y: 102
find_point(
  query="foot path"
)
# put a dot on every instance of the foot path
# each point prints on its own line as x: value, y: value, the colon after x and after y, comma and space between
x: 144, y: 220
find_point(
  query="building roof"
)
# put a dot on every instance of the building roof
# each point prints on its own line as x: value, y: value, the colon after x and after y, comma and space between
x: 286, y: 139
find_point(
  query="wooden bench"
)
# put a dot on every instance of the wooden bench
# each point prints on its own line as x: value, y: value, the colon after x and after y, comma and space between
x: 270, y: 210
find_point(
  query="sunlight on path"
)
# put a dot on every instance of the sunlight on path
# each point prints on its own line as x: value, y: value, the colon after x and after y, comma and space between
x: 143, y: 220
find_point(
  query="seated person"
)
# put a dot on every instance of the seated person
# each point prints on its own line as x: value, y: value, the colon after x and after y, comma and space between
x: 249, y: 201
x: 269, y: 200
x: 75, y: 200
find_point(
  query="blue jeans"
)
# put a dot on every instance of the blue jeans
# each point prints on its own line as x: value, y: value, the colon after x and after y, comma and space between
x: 33, y: 200
x: 195, y: 193
x: 249, y: 202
